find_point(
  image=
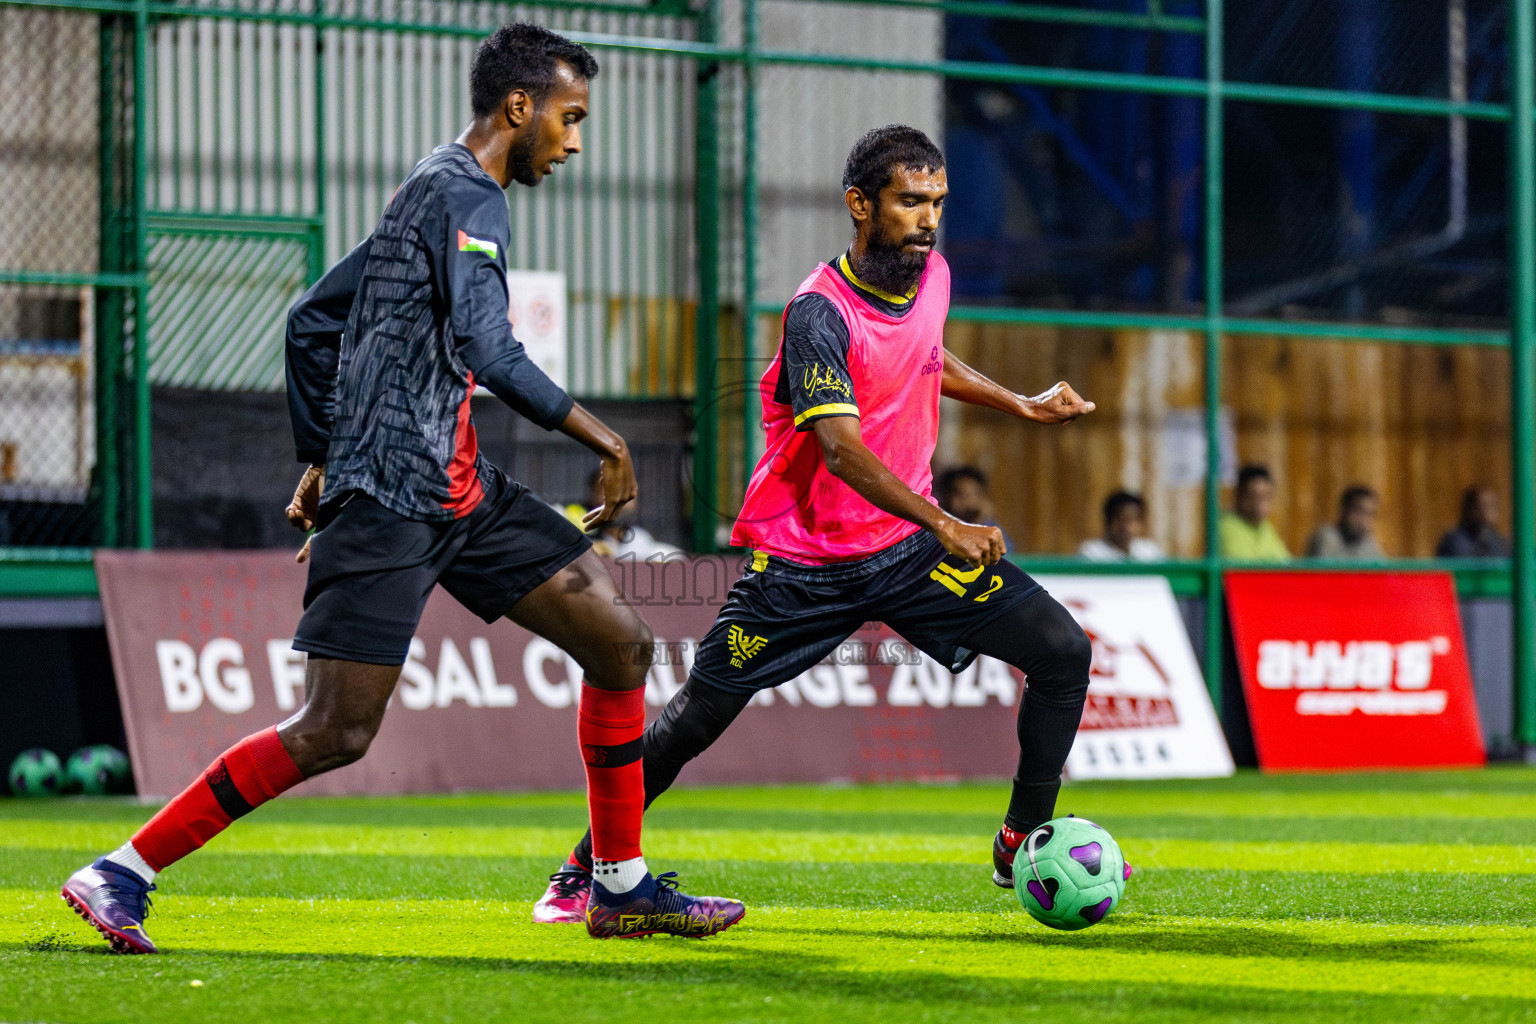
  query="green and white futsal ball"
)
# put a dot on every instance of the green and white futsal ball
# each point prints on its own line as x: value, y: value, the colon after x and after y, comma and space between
x: 36, y: 772
x: 96, y: 770
x: 1069, y: 873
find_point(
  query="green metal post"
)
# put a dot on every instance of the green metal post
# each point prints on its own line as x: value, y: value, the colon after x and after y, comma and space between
x: 707, y: 228
x: 109, y: 322
x: 143, y: 469
x: 1213, y: 284
x: 751, y: 414
x: 317, y: 242
x: 1522, y: 361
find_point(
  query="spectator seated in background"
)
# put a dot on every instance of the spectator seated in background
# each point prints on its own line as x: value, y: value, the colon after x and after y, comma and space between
x: 1245, y: 533
x: 1353, y: 537
x: 1125, y: 521
x: 962, y: 492
x: 621, y: 536
x: 1477, y: 535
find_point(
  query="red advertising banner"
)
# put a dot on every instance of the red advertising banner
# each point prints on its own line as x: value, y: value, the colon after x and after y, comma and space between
x: 1354, y: 670
x: 201, y: 644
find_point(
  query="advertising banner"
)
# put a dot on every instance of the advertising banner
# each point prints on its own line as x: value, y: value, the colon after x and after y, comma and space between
x: 1149, y: 715
x: 201, y: 645
x: 1354, y: 670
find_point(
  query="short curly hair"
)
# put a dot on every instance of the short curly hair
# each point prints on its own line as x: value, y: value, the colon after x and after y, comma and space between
x: 874, y: 158
x: 523, y: 56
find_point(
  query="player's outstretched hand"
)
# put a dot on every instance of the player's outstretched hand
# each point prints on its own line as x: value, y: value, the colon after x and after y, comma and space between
x: 304, y: 509
x: 619, y: 489
x: 1058, y: 405
x: 979, y: 545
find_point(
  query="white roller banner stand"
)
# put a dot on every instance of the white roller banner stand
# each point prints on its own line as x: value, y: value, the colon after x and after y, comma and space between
x: 1149, y: 715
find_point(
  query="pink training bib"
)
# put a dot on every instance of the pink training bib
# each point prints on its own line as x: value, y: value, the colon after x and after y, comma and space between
x: 797, y: 510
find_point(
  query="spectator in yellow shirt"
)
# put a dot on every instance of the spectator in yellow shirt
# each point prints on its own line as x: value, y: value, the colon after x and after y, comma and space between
x: 1245, y: 533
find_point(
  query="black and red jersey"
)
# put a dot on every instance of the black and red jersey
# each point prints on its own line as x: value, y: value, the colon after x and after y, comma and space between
x: 384, y: 352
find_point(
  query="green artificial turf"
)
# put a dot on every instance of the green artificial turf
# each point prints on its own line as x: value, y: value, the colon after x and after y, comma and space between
x: 1373, y: 898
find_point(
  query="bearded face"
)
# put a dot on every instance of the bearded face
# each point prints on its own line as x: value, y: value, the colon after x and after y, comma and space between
x: 522, y: 159
x: 899, y: 233
x: 895, y: 255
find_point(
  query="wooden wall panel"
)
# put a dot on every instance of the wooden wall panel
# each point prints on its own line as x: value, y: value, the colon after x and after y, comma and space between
x: 1417, y: 423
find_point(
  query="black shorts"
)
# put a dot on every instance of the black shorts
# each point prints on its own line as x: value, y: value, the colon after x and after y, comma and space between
x: 371, y: 569
x: 782, y: 617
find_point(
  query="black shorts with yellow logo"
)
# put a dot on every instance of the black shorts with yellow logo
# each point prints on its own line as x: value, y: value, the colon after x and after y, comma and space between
x: 782, y: 617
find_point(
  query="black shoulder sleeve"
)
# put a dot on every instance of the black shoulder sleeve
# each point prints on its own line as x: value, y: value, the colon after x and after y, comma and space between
x: 813, y: 375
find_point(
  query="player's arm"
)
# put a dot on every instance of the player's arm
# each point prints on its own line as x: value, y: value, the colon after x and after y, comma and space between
x: 1060, y: 404
x: 617, y: 475
x: 474, y: 237
x: 849, y: 460
x: 311, y: 352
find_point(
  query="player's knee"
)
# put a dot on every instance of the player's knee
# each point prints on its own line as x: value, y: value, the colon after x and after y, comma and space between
x: 677, y: 738
x: 695, y: 717
x: 645, y: 647
x: 1076, y: 651
x: 353, y: 742
x: 626, y: 665
x: 1072, y: 652
x: 326, y: 743
x: 1062, y: 658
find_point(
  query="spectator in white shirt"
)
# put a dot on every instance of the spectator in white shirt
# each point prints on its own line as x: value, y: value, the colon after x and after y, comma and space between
x: 1125, y: 521
x: 1353, y: 537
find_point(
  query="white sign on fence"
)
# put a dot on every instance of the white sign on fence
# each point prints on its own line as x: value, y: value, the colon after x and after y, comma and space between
x: 1149, y: 715
x: 536, y: 305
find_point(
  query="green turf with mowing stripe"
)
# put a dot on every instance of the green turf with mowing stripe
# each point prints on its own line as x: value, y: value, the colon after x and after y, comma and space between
x: 1375, y: 898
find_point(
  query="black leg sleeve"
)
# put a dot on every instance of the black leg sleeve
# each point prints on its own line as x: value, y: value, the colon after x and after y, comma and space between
x: 693, y: 719
x: 1042, y: 640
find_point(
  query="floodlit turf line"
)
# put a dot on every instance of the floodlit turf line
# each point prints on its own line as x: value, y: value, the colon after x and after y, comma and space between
x: 1096, y: 801
x: 1389, y: 898
x: 1500, y: 792
x: 894, y: 848
x: 1315, y: 957
x: 1260, y: 900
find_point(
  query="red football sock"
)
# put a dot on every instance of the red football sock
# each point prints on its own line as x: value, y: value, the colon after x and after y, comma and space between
x: 609, y: 726
x: 241, y: 779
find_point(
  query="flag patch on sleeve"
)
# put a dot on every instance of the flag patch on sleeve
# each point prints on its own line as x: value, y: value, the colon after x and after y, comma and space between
x: 469, y: 243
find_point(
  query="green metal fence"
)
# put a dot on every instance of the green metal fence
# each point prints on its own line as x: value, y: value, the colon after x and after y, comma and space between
x: 222, y: 185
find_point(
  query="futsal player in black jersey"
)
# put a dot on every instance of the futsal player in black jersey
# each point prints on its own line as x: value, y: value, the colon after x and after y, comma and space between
x: 383, y: 354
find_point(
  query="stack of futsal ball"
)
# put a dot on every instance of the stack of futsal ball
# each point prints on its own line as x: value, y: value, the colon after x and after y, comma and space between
x: 90, y: 770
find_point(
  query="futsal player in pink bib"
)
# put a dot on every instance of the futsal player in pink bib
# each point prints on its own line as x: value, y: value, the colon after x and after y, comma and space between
x: 840, y: 517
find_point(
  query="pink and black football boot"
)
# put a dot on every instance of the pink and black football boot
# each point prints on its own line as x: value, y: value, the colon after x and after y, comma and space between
x: 1005, y: 846
x: 115, y: 902
x: 657, y: 907
x: 565, y: 901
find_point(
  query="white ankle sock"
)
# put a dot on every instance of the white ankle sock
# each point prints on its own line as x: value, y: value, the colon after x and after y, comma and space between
x: 619, y: 876
x: 127, y: 857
